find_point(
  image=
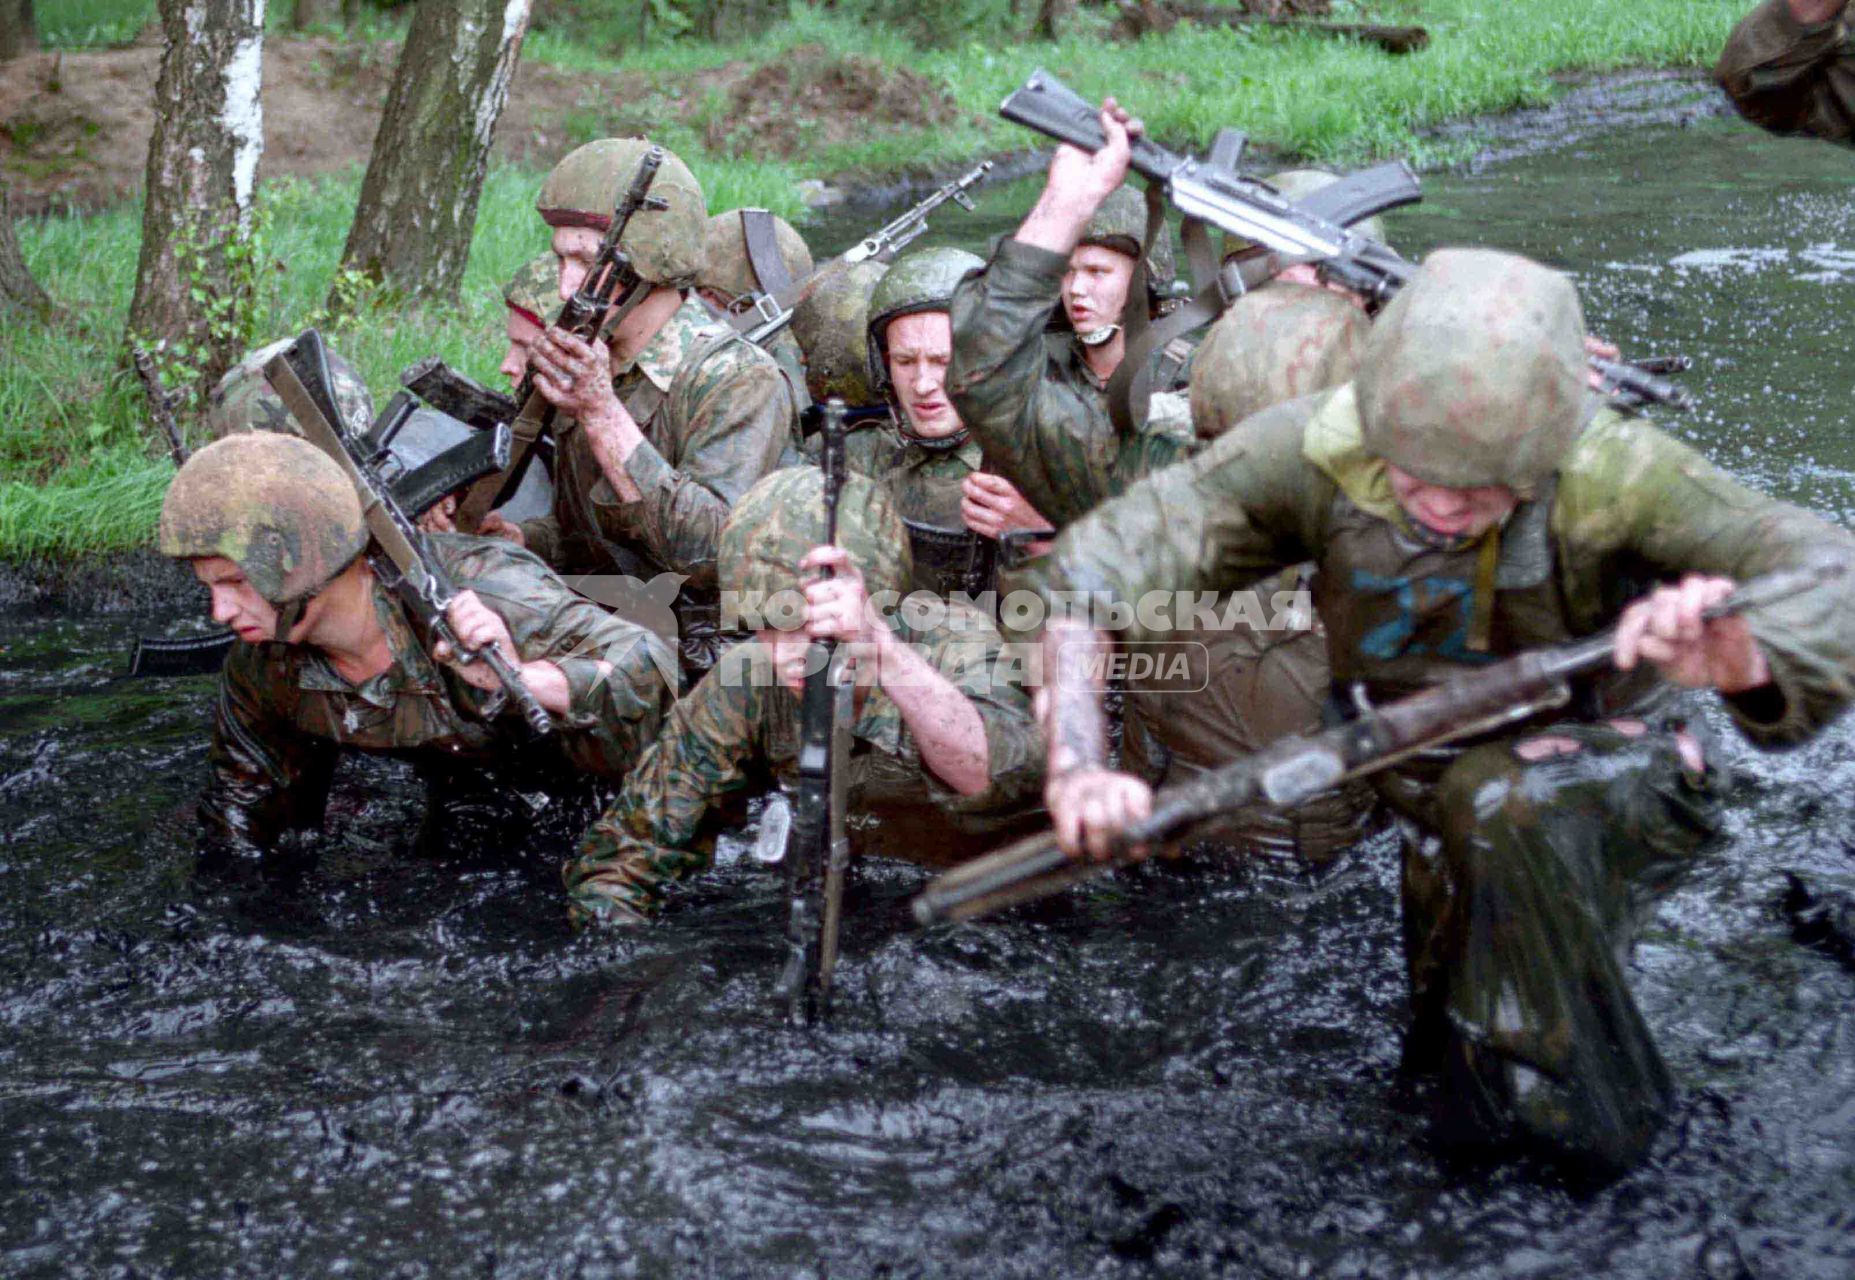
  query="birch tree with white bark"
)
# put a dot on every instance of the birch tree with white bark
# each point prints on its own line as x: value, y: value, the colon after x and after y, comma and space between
x: 193, y: 275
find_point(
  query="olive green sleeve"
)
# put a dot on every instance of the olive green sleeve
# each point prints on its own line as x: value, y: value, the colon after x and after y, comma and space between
x: 1789, y: 77
x: 1248, y: 505
x: 1037, y: 432
x: 267, y: 776
x: 1631, y: 496
x: 541, y: 535
x: 732, y: 417
x: 649, y: 835
x: 612, y: 714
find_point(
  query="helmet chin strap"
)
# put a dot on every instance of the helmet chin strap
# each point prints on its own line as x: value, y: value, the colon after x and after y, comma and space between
x: 288, y: 615
x: 1098, y: 337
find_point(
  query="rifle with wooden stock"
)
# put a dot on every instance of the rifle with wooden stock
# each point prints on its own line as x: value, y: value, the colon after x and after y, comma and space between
x: 1298, y: 768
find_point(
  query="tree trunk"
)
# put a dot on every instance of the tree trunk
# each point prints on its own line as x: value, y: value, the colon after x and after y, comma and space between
x: 18, y: 32
x: 315, y: 13
x: 202, y: 167
x: 1051, y: 14
x: 419, y: 199
x: 17, y: 287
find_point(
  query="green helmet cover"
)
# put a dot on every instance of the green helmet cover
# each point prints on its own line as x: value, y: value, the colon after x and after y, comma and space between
x: 1475, y: 374
x: 664, y: 245
x: 726, y: 267
x: 831, y: 325
x: 1275, y: 343
x: 274, y: 505
x: 1120, y: 224
x: 781, y: 518
x: 243, y: 400
x: 533, y: 292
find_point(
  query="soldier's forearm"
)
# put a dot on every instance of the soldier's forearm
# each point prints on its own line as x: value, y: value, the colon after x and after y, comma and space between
x: 1077, y: 721
x: 614, y: 437
x: 947, y: 728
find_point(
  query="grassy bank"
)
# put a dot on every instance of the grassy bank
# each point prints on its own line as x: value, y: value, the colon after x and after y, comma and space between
x: 75, y: 471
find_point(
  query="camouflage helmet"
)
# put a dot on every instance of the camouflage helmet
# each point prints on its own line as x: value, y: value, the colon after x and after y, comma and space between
x: 726, y: 265
x: 781, y: 518
x: 831, y: 324
x: 1475, y: 374
x: 919, y: 281
x: 243, y: 400
x: 1120, y: 224
x: 665, y: 245
x: 533, y: 292
x: 1273, y: 344
x: 1299, y: 184
x: 276, y: 506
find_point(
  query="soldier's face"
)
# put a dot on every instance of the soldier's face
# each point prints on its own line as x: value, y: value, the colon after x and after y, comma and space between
x: 1454, y: 513
x: 920, y: 345
x: 1095, y: 287
x: 522, y: 333
x: 574, y: 248
x: 236, y: 603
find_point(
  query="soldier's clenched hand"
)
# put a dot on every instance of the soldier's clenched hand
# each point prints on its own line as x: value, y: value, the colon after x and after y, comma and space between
x: 1666, y: 628
x: 477, y: 628
x: 573, y: 375
x: 991, y: 505
x: 836, y: 608
x: 495, y: 526
x: 1090, y: 806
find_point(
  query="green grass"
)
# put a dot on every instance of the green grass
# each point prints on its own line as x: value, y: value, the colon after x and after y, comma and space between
x: 76, y: 474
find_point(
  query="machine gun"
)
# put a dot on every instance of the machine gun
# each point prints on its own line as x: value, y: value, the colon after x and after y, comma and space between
x: 816, y: 849
x: 1301, y: 766
x: 759, y: 316
x: 608, y: 293
x: 1214, y: 193
x: 398, y: 553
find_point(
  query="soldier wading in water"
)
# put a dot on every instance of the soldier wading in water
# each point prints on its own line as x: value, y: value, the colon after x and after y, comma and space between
x: 1464, y: 498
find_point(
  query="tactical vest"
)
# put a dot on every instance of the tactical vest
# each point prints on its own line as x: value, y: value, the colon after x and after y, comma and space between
x: 1402, y: 614
x: 948, y: 556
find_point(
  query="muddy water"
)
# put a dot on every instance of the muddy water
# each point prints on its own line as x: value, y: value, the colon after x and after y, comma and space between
x: 372, y: 1064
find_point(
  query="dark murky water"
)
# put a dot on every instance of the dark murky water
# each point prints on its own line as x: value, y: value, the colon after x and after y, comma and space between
x: 389, y: 1066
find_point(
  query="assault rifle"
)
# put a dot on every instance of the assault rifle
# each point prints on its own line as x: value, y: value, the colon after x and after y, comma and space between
x: 1297, y: 768
x: 1216, y: 194
x: 759, y: 316
x: 416, y: 488
x: 397, y: 552
x: 608, y: 293
x: 817, y: 851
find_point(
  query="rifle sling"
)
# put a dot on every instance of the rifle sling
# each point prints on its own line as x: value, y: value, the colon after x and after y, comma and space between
x: 763, y: 256
x: 1130, y: 390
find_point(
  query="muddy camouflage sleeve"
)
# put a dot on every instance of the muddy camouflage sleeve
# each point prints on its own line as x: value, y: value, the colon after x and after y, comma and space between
x: 267, y: 776
x: 611, y: 716
x: 541, y: 535
x: 1050, y: 438
x: 1631, y: 495
x: 650, y: 834
x: 732, y: 417
x: 1247, y: 506
x: 1789, y: 77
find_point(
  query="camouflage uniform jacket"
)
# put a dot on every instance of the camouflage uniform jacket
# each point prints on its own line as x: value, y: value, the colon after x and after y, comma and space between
x: 1630, y: 506
x: 1789, y: 77
x: 739, y: 728
x: 1027, y: 395
x: 283, y: 710
x: 716, y: 414
x: 926, y: 482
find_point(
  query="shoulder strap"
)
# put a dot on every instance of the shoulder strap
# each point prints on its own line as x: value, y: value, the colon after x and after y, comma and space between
x: 763, y: 251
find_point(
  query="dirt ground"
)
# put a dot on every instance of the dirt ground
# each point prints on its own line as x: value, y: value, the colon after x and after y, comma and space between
x: 74, y: 127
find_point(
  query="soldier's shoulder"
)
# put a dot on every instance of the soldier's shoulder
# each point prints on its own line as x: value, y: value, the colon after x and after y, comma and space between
x: 468, y: 557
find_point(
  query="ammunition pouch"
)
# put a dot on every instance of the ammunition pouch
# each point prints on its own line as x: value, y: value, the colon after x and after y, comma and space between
x: 950, y: 560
